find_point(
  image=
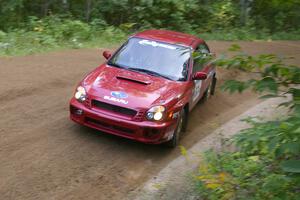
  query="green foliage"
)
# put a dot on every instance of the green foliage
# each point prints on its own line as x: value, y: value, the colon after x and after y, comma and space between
x: 273, y: 74
x: 224, y: 19
x: 292, y: 166
x: 55, y: 32
x: 266, y: 164
x: 276, y: 139
x: 276, y: 15
x: 250, y: 34
x: 241, y: 176
x: 28, y: 26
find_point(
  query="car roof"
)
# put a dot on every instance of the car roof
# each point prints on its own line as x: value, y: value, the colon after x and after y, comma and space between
x: 172, y: 37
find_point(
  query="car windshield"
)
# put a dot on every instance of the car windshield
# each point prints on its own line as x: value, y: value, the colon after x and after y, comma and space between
x: 154, y: 58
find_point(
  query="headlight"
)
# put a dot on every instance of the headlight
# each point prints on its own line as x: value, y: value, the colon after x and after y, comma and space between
x: 155, y: 113
x: 80, y: 94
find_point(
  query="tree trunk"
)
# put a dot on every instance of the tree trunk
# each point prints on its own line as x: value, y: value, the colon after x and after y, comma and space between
x: 243, y: 15
x: 65, y: 5
x: 45, y: 7
x: 88, y: 10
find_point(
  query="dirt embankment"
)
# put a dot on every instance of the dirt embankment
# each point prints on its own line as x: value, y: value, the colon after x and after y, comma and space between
x: 43, y: 155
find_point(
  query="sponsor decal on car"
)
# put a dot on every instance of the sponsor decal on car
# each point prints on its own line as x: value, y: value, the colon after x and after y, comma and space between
x: 197, y: 89
x: 109, y: 98
x: 156, y: 44
x: 118, y: 94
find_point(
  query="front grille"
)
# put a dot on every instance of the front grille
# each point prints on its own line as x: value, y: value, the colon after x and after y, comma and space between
x: 108, y: 126
x: 113, y: 108
x: 139, y: 116
x: 87, y: 102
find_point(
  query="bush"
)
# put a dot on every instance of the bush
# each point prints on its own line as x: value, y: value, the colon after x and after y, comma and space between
x: 54, y: 32
x: 248, y: 33
x: 266, y: 164
x: 60, y: 29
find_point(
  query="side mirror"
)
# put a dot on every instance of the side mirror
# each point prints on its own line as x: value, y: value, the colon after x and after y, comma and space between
x: 107, y: 54
x: 200, y: 76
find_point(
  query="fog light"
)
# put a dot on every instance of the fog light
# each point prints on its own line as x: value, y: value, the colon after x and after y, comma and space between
x: 151, y: 133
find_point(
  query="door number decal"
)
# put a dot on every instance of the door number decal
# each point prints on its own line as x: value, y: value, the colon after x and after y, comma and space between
x: 197, y: 88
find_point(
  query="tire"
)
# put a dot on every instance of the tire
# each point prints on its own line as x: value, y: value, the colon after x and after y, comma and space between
x: 214, y: 83
x: 179, y: 129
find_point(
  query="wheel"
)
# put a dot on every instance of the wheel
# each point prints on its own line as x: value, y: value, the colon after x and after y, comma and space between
x: 179, y: 129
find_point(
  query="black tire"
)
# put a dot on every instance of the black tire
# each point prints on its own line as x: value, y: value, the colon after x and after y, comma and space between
x: 213, y: 86
x: 179, y: 129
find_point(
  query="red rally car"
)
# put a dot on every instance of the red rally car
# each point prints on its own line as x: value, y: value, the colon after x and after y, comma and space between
x: 146, y: 89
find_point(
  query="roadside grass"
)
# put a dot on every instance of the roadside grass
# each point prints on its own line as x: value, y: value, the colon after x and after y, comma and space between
x: 247, y: 34
x: 20, y: 43
x: 54, y: 33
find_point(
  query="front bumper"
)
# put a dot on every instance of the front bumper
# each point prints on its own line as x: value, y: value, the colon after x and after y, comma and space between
x: 144, y: 131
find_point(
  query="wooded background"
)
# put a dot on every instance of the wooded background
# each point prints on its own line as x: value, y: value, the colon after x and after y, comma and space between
x: 183, y: 15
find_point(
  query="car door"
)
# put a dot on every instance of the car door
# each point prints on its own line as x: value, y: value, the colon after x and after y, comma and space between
x: 200, y: 63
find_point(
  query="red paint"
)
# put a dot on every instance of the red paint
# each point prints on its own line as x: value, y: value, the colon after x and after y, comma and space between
x: 143, y: 91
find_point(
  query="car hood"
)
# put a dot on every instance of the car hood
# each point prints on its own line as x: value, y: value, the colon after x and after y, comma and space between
x: 138, y: 90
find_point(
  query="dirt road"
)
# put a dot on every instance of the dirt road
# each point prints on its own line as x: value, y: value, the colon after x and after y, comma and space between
x: 43, y: 155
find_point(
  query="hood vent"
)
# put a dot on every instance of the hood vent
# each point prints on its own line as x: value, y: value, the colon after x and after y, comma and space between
x: 133, y: 80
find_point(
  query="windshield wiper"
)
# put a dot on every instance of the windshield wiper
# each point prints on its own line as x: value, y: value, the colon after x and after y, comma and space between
x: 116, y: 65
x: 149, y: 72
